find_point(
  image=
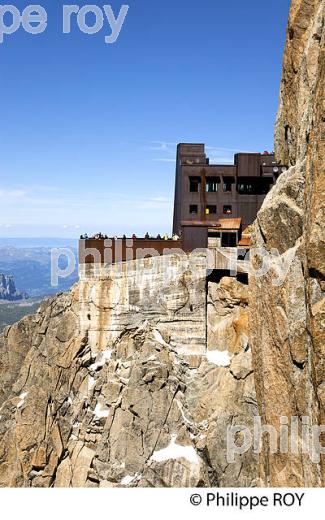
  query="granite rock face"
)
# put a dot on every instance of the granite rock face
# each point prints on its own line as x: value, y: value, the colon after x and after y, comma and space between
x: 109, y: 385
x: 287, y: 302
x: 167, y: 290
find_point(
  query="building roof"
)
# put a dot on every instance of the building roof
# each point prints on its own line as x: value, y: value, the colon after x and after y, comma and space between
x: 222, y: 223
x: 245, y: 241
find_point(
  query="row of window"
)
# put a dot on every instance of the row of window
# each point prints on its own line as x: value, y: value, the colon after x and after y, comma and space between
x: 251, y: 189
x: 210, y: 209
x: 211, y: 185
x: 244, y: 187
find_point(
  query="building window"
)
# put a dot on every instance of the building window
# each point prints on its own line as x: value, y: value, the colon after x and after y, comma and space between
x: 193, y: 209
x: 212, y: 184
x: 210, y: 210
x: 245, y: 188
x: 228, y: 181
x: 227, y: 210
x: 194, y: 184
x: 229, y: 240
x: 254, y: 186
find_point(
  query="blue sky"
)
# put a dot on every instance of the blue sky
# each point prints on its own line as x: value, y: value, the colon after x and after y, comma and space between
x: 88, y: 130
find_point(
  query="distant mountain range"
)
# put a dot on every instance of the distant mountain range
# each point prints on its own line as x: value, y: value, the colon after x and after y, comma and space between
x: 38, y: 242
x: 29, y: 262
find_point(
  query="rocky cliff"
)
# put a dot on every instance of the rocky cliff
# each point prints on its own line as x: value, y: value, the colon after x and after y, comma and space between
x: 8, y: 289
x: 287, y: 317
x: 113, y: 384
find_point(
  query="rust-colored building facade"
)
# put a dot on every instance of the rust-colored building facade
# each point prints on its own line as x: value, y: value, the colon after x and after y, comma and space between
x: 213, y: 205
x: 207, y: 193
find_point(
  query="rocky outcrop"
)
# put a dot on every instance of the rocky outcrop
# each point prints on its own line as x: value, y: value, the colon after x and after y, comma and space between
x: 228, y: 391
x: 104, y: 387
x: 287, y: 303
x: 8, y: 289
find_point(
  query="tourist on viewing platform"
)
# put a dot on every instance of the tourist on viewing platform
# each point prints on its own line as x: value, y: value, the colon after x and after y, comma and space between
x: 158, y: 237
x: 146, y: 236
x: 175, y: 237
x: 99, y: 236
x: 124, y: 237
x: 134, y: 237
x: 166, y: 236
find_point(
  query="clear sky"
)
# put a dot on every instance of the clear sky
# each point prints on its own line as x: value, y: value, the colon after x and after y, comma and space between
x: 88, y: 130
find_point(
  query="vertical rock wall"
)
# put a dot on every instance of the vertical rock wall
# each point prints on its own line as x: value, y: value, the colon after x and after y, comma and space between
x: 287, y: 320
x: 167, y: 290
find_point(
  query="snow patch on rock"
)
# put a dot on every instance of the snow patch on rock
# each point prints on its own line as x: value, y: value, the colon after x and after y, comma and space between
x: 100, y: 412
x: 219, y: 358
x: 158, y: 337
x: 185, y: 419
x: 128, y: 479
x: 102, y: 359
x: 176, y: 451
x: 91, y: 382
x: 22, y: 398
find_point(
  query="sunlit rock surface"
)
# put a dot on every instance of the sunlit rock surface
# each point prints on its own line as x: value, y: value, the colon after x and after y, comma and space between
x: 112, y: 384
x: 287, y: 325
